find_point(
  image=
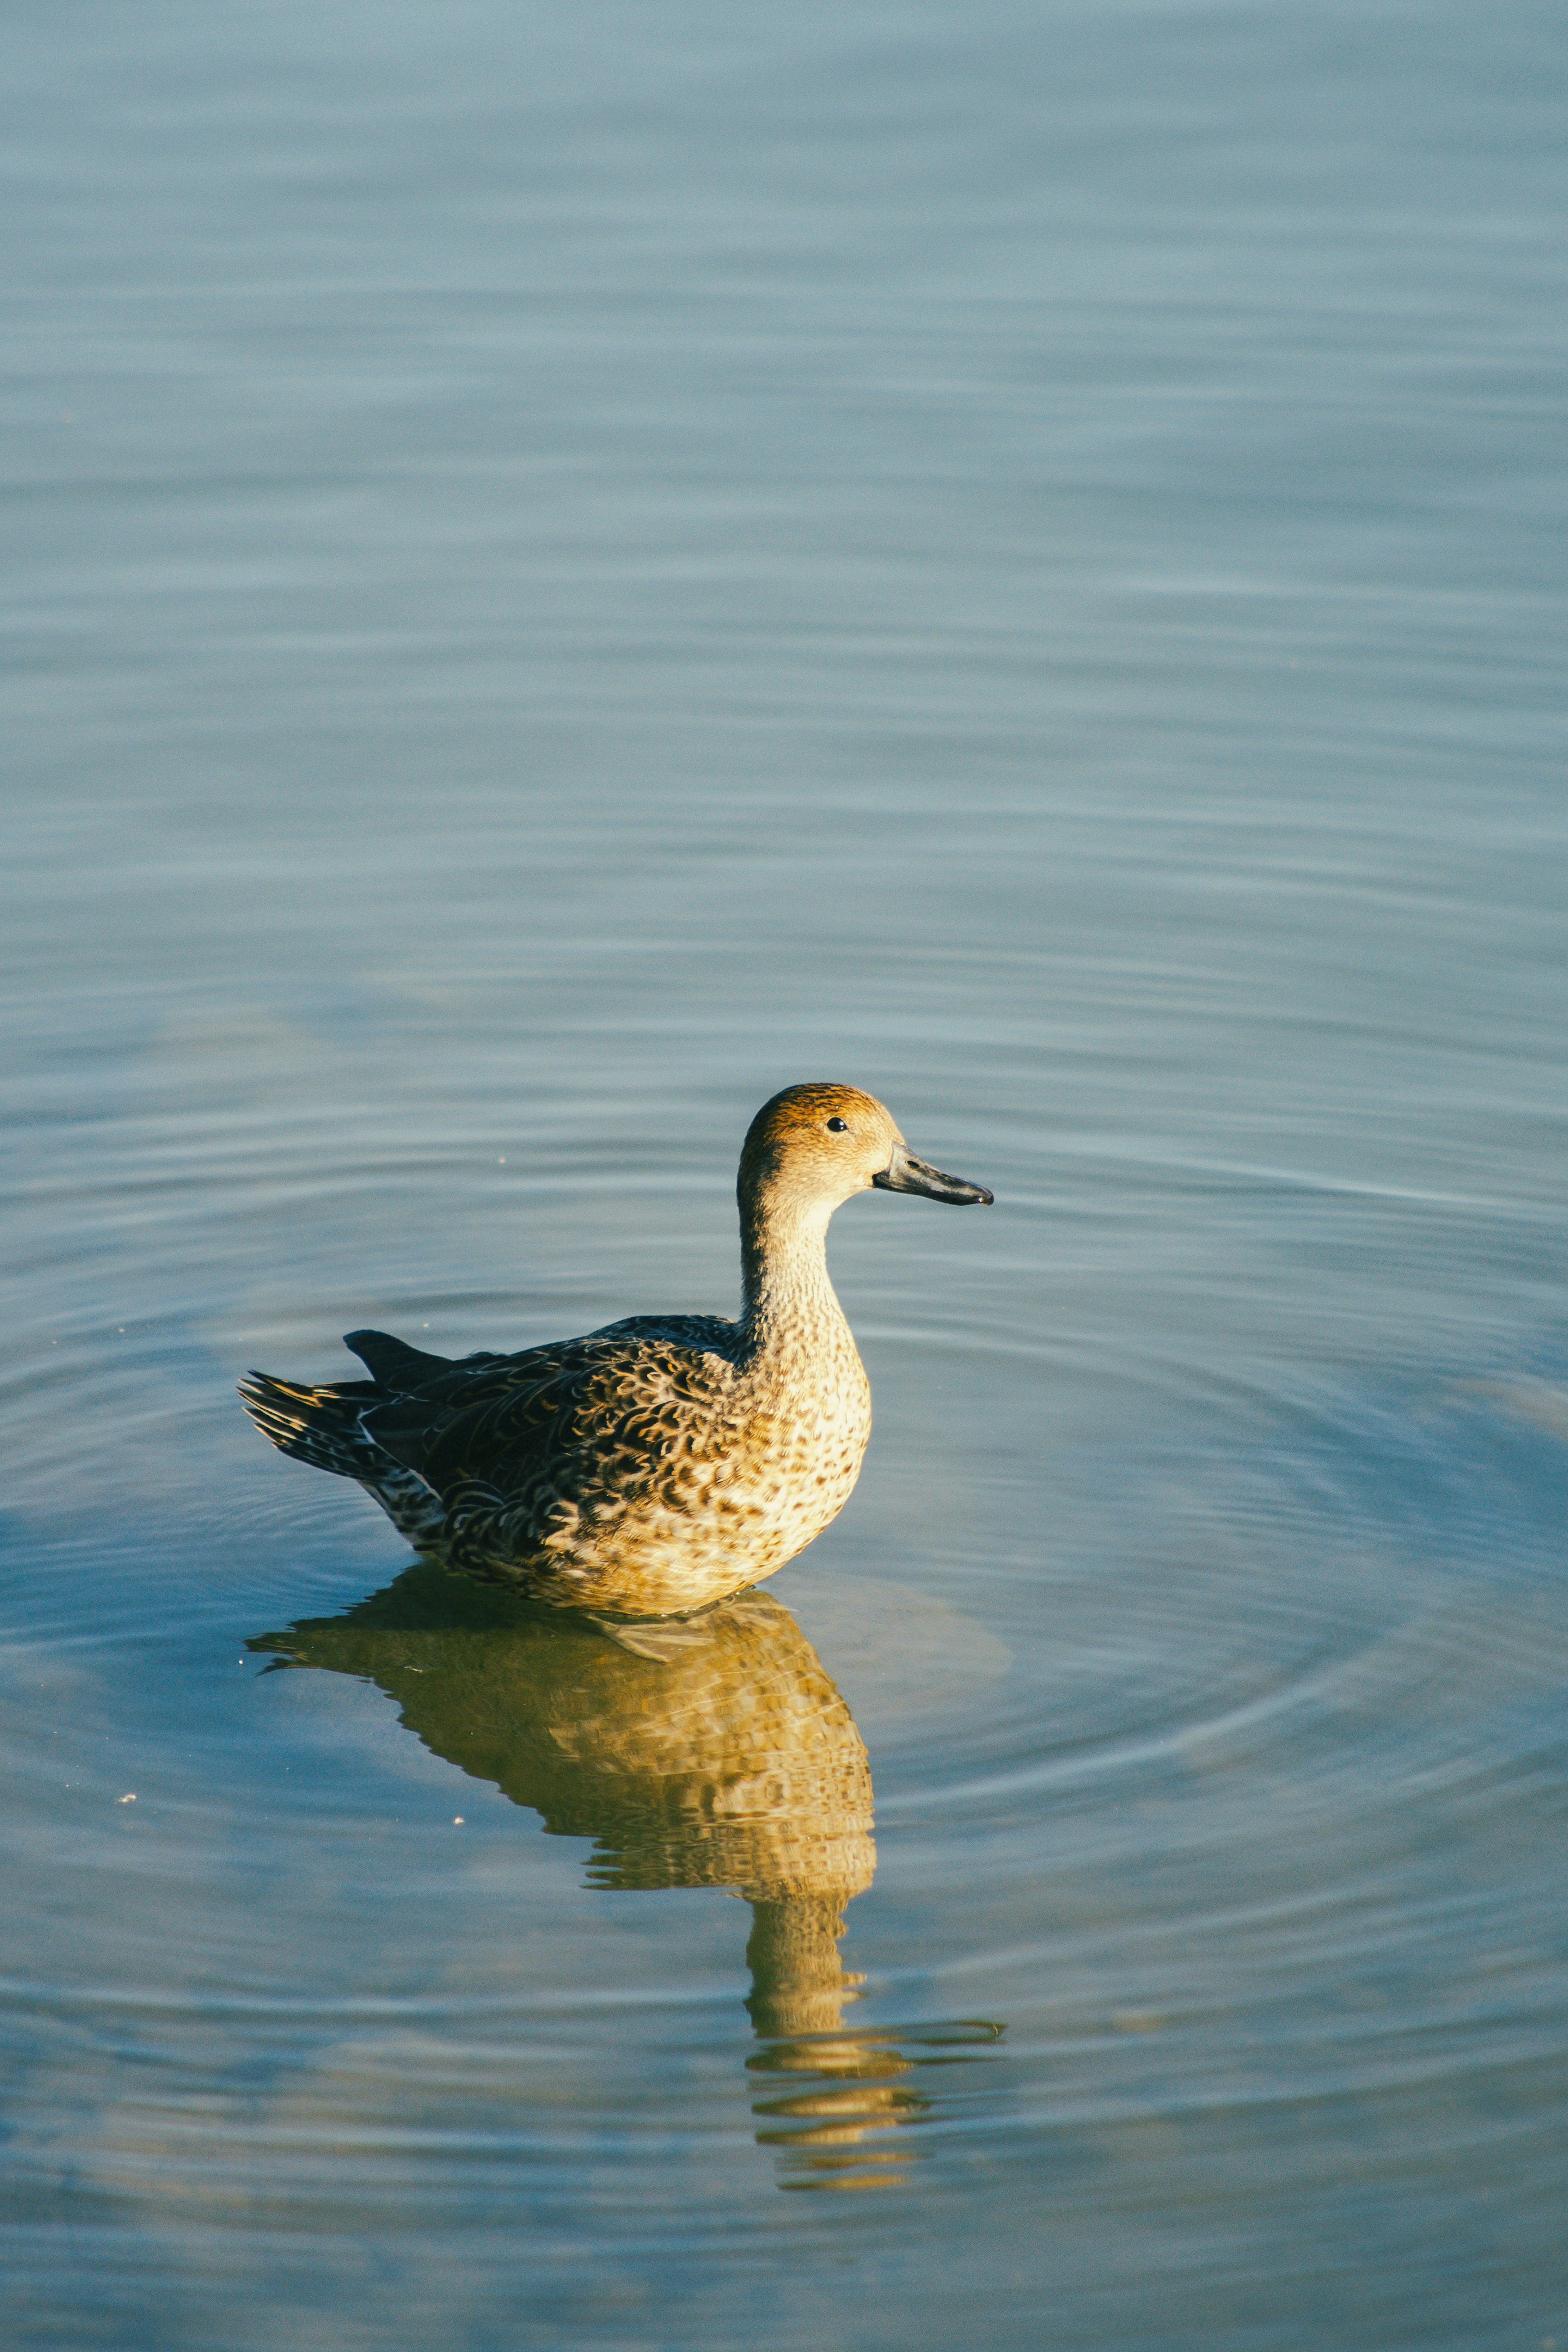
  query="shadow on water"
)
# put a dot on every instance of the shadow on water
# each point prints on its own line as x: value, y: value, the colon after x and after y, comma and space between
x: 717, y: 1753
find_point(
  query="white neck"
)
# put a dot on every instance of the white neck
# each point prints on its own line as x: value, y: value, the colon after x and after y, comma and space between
x: 783, y: 1264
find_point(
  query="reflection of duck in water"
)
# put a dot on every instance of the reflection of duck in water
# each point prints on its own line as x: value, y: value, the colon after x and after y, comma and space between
x: 715, y: 1753
x: 664, y: 1461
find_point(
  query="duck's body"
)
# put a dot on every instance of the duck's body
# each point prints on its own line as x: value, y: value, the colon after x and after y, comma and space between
x: 650, y: 1467
x: 662, y: 1463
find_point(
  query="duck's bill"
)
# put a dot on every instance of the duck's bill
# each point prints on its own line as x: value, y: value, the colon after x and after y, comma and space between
x: 905, y: 1173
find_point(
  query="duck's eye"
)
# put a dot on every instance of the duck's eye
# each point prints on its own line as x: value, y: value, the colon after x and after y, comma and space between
x: 838, y: 1127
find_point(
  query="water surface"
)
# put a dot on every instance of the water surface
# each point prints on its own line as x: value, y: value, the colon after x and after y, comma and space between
x: 568, y: 569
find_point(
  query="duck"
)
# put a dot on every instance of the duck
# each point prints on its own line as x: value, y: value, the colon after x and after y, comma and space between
x: 658, y: 1465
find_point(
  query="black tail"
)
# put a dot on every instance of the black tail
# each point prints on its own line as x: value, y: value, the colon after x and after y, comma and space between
x: 320, y: 1426
x: 393, y: 1362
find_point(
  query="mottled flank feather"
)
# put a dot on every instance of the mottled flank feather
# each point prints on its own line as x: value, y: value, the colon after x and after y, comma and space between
x: 664, y: 1461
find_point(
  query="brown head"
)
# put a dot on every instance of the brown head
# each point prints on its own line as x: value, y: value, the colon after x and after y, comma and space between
x: 814, y: 1146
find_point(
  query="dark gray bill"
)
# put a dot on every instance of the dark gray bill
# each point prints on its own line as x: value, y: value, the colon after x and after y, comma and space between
x: 905, y: 1173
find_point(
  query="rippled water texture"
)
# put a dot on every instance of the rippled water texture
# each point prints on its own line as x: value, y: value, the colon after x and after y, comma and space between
x: 567, y: 568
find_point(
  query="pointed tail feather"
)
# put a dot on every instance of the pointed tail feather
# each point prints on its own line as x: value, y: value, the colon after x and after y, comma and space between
x: 323, y: 1426
x: 316, y: 1425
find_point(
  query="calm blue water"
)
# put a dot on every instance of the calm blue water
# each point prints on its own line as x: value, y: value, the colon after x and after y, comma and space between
x: 568, y: 568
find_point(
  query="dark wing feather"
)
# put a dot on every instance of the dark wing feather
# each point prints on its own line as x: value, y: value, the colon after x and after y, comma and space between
x: 541, y: 1422
x: 495, y: 1419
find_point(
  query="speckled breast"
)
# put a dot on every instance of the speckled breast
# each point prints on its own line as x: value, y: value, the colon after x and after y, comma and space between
x: 724, y: 1497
